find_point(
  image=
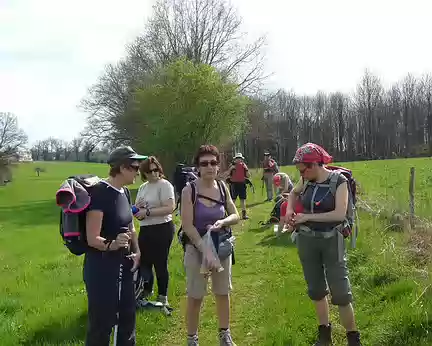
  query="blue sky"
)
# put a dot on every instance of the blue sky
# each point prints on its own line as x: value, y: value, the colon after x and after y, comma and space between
x: 51, y: 51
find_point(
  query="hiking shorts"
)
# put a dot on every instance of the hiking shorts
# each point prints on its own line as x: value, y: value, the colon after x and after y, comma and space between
x: 238, y: 190
x: 325, y: 266
x: 196, y: 283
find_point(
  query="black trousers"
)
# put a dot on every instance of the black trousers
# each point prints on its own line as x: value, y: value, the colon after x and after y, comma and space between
x: 101, y: 277
x: 155, y: 243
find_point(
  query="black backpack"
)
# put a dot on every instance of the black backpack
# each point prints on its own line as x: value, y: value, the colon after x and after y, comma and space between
x: 182, y: 176
x: 73, y: 225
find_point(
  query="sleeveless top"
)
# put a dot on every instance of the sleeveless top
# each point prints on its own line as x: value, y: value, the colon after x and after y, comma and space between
x: 205, y: 215
x: 322, y: 201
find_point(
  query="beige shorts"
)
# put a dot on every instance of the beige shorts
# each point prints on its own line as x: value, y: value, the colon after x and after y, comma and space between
x: 196, y: 283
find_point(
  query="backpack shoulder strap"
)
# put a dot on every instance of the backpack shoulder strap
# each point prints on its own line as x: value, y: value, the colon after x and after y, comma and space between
x: 333, y: 182
x: 127, y: 193
x: 223, y: 191
x: 194, y: 192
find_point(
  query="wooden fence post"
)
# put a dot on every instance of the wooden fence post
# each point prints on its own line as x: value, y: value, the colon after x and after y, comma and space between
x: 411, y: 197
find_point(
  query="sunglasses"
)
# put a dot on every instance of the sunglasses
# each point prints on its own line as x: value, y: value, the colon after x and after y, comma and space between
x: 212, y: 163
x: 134, y: 167
x: 155, y: 170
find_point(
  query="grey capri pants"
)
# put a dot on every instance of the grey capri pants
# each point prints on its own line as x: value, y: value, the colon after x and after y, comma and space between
x: 324, y: 262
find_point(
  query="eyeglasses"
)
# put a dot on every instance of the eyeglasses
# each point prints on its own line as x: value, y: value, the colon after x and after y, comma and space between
x: 212, y: 163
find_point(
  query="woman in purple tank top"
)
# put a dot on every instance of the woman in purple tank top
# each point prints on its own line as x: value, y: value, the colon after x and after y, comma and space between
x: 208, y: 210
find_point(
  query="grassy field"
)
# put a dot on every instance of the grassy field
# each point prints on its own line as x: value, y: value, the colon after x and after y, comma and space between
x: 43, y: 302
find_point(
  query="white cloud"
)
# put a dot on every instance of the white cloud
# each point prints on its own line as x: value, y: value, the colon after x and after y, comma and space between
x: 51, y: 51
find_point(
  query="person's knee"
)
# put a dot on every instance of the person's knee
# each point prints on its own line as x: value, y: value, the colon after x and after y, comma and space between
x: 342, y: 299
x: 340, y: 287
x: 317, y: 294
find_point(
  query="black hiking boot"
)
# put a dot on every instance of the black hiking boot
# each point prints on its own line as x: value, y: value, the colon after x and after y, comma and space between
x: 244, y: 216
x: 324, y: 336
x: 353, y: 338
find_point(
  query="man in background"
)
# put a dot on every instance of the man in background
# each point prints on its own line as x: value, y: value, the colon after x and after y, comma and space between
x: 239, y: 172
x: 270, y: 168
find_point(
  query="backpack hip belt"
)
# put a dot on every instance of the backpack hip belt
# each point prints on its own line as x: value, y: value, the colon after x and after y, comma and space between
x: 318, y: 234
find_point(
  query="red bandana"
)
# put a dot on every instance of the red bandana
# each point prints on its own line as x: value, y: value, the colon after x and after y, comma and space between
x: 312, y: 153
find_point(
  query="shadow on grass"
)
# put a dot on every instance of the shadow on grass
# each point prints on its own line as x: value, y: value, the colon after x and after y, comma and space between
x: 254, y: 204
x: 32, y: 213
x: 59, y: 333
x: 260, y: 228
x: 283, y: 240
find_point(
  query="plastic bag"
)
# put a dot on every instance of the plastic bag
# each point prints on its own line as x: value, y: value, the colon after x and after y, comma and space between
x: 210, y: 259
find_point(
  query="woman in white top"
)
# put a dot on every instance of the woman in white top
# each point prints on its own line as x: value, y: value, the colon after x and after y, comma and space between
x: 155, y: 200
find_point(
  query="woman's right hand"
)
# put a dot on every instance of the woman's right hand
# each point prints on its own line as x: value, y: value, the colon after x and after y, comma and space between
x: 122, y: 241
x: 288, y: 216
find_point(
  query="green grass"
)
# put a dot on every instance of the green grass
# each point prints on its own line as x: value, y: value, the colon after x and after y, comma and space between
x: 43, y: 302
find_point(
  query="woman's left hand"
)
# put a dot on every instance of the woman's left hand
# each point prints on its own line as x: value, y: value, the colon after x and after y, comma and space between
x: 217, y: 226
x: 141, y: 215
x: 300, y: 218
x: 136, y: 258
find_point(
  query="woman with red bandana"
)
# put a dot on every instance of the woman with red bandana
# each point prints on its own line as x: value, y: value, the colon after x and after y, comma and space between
x: 320, y: 244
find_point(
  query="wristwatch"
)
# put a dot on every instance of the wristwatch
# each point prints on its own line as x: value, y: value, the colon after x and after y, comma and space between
x: 148, y: 212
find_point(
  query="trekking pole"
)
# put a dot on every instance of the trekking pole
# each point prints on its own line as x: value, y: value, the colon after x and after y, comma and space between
x: 120, y: 279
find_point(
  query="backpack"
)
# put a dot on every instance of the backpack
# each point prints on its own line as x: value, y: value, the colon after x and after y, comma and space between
x: 349, y: 227
x: 275, y: 213
x: 72, y: 225
x: 182, y: 176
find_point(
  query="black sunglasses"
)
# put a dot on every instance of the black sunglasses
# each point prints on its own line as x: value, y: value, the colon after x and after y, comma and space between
x: 156, y: 170
x: 212, y: 163
x: 134, y: 167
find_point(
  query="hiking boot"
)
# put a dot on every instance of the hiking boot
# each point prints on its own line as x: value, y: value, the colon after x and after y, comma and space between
x: 162, y: 299
x: 324, y: 336
x: 192, y: 340
x: 244, y: 216
x: 353, y: 338
x: 225, y: 338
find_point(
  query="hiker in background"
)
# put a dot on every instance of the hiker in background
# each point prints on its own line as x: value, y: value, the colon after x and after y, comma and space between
x: 210, y: 205
x: 282, y: 183
x: 110, y: 237
x: 155, y: 200
x: 238, y: 173
x: 319, y: 241
x: 182, y: 176
x: 270, y: 168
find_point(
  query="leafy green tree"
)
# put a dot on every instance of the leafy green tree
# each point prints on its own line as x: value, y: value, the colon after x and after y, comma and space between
x: 182, y: 107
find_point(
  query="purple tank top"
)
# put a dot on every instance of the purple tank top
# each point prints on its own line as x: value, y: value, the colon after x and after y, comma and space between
x: 204, y: 215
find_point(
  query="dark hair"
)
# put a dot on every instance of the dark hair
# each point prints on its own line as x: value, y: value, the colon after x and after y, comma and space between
x: 206, y: 149
x: 115, y: 168
x: 145, y: 167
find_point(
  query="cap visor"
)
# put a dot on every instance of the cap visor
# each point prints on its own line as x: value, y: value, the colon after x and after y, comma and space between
x: 138, y: 157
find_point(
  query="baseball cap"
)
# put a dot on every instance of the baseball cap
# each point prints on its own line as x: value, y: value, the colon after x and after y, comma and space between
x: 121, y: 154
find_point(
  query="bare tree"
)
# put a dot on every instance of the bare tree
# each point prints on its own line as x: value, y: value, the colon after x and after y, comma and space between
x: 76, y: 146
x: 426, y: 101
x: 204, y: 31
x: 12, y: 138
x: 368, y: 97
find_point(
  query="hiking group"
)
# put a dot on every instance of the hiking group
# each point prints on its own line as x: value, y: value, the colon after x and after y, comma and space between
x: 96, y: 220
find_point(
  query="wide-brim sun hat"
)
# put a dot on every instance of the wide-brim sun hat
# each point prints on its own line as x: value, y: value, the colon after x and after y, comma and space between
x: 239, y: 156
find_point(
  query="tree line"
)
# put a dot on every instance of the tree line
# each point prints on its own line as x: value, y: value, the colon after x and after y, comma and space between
x: 78, y: 149
x: 162, y: 100
x: 193, y: 76
x: 371, y: 123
